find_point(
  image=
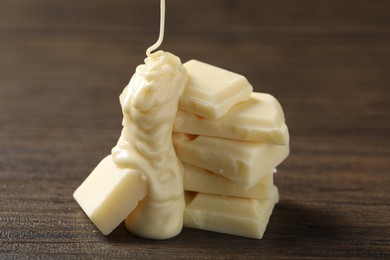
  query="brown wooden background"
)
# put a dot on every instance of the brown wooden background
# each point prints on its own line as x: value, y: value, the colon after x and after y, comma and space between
x: 64, y: 63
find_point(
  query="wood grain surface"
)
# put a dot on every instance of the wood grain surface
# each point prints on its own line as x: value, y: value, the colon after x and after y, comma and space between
x: 64, y: 63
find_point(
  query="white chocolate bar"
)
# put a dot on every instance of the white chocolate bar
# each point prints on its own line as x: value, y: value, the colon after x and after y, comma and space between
x: 245, y: 163
x: 230, y: 215
x: 212, y: 91
x: 201, y: 180
x: 109, y: 194
x: 259, y: 119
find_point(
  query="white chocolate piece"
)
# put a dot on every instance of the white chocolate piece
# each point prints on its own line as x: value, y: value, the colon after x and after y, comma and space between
x: 110, y: 193
x: 245, y: 163
x: 230, y: 215
x: 201, y: 180
x: 212, y: 91
x: 259, y: 119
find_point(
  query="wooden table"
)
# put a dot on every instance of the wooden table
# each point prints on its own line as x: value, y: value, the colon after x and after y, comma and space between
x: 64, y: 63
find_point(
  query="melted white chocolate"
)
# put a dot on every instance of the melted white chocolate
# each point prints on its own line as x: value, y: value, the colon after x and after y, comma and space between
x: 162, y: 25
x: 149, y: 104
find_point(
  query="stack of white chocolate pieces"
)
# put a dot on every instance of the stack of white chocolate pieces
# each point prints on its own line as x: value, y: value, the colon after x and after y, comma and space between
x: 230, y: 140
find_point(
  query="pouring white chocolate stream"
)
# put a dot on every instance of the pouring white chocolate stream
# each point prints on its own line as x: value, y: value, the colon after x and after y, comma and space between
x: 142, y: 182
x: 162, y: 27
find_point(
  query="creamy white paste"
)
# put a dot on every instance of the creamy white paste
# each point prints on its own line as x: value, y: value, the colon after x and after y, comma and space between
x: 149, y: 104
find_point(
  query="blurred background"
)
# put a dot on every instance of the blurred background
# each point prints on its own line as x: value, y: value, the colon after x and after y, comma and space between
x: 63, y: 65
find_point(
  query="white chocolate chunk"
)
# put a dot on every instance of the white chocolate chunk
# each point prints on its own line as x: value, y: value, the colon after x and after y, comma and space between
x: 201, y: 180
x: 230, y: 215
x: 212, y: 91
x: 245, y: 163
x: 110, y: 193
x: 259, y: 119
